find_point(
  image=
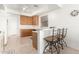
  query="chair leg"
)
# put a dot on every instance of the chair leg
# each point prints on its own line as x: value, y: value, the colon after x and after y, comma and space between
x: 58, y: 48
x: 45, y: 47
x: 55, y: 46
x: 65, y: 43
x: 50, y: 48
x: 61, y: 44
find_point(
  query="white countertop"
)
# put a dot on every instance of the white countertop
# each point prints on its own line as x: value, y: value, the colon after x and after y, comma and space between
x: 34, y: 27
x: 29, y: 27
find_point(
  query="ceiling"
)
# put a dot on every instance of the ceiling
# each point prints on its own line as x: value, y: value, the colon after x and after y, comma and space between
x: 28, y: 9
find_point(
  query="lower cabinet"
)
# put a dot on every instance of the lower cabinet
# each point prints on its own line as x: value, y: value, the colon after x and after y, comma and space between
x: 26, y: 32
x: 30, y: 32
x: 34, y: 39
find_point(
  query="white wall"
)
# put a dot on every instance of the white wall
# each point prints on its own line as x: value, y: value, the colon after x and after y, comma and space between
x: 13, y: 27
x: 2, y: 22
x: 62, y: 18
x: 13, y: 24
x: 2, y: 29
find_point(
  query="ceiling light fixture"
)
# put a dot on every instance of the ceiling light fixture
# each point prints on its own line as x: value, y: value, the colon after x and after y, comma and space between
x: 25, y: 8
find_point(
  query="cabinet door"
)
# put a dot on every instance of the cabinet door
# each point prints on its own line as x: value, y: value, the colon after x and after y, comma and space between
x: 34, y: 40
x: 23, y: 20
x: 35, y: 20
x: 26, y: 32
x: 29, y: 21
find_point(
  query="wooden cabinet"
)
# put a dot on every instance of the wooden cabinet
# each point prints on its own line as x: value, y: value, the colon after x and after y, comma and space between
x: 34, y: 39
x: 35, y: 20
x: 26, y: 32
x: 25, y: 20
x: 29, y: 21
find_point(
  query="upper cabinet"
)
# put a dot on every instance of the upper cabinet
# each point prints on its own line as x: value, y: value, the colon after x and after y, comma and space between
x: 35, y: 20
x: 25, y: 20
x: 29, y: 21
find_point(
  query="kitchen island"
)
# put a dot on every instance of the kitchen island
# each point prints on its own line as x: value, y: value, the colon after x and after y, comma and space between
x: 42, y: 33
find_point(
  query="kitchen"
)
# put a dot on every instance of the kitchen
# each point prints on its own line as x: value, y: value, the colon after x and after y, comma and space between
x: 20, y: 26
x: 26, y: 25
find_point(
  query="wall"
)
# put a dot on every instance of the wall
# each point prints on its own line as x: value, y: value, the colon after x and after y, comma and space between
x: 62, y: 18
x: 2, y: 29
x: 13, y: 24
x: 2, y: 22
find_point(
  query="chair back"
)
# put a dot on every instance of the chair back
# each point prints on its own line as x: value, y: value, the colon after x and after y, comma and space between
x: 61, y: 33
x: 64, y: 32
x: 54, y: 32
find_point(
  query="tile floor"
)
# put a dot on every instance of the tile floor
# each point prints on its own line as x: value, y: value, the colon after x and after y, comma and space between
x: 19, y: 45
x: 68, y: 50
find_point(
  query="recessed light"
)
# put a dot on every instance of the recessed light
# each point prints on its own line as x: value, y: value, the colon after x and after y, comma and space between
x: 25, y: 8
